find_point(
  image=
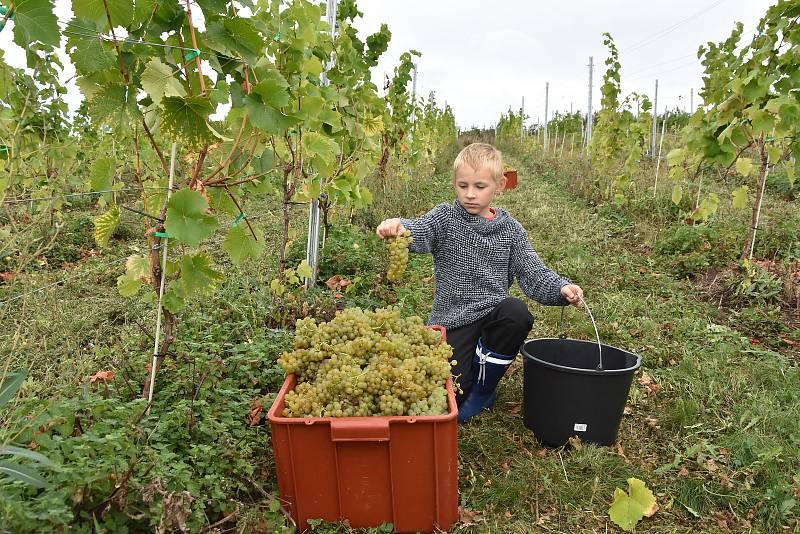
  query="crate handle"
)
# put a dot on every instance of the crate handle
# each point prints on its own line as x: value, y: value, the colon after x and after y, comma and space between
x: 360, y: 429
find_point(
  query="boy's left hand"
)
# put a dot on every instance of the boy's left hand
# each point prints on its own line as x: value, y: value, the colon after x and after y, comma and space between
x: 573, y: 293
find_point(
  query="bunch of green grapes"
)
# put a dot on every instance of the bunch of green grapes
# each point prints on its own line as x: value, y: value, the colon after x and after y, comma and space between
x: 364, y: 363
x: 397, y: 248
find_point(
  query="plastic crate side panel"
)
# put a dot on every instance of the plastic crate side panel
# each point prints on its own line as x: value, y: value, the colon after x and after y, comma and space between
x: 446, y: 458
x: 315, y: 477
x: 414, y: 483
x: 282, y: 452
x: 364, y: 482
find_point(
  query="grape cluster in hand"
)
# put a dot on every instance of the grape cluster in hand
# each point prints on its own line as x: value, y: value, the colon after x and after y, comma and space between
x: 364, y: 363
x: 398, y: 255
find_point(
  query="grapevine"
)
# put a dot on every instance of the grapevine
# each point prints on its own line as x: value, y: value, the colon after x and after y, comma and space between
x: 364, y: 363
x: 397, y: 248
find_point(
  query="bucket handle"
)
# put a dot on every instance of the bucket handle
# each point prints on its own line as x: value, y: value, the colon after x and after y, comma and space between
x: 562, y: 335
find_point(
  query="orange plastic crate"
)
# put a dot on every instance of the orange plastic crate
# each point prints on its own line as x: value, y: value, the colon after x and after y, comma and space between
x: 511, y: 179
x: 368, y: 470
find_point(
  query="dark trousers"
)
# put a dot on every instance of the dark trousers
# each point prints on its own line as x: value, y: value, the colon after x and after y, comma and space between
x: 503, y: 331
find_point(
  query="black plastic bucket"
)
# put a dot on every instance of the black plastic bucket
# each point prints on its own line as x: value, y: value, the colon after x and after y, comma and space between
x: 567, y: 394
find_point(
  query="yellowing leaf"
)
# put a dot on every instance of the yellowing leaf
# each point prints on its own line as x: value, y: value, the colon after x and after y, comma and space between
x: 774, y: 153
x: 628, y: 509
x: 675, y: 156
x: 740, y: 197
x: 304, y: 270
x: 744, y: 166
x: 158, y: 81
x: 790, y: 175
x: 105, y: 224
x: 677, y: 193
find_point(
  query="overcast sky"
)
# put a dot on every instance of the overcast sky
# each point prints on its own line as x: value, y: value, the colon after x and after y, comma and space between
x: 482, y: 57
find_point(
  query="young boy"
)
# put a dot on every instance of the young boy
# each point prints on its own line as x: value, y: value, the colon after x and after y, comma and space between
x: 478, y: 252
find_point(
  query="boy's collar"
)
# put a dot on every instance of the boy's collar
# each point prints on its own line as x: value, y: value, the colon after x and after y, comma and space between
x: 469, y: 217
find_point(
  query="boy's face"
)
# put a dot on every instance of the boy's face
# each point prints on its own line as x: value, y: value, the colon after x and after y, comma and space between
x: 476, y: 189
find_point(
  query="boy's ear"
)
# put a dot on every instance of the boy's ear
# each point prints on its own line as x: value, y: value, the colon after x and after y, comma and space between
x: 501, y: 184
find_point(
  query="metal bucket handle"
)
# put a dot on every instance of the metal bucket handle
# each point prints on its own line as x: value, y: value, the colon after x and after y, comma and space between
x: 562, y: 335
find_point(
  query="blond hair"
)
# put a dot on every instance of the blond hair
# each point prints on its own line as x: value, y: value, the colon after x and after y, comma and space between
x: 480, y: 156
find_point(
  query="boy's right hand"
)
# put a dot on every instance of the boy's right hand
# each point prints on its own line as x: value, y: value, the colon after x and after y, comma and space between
x: 390, y: 228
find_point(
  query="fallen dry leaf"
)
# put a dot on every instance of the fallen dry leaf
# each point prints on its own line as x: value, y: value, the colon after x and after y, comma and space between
x: 469, y: 517
x: 516, y: 409
x: 575, y: 443
x: 256, y: 409
x: 102, y: 376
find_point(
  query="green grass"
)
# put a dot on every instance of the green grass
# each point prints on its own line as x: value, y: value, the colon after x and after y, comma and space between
x: 718, y: 443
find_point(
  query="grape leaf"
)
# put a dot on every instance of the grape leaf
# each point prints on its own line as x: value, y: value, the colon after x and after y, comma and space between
x: 35, y: 21
x: 744, y: 166
x: 312, y: 66
x: 137, y: 272
x: 774, y: 154
x: 761, y: 120
x: 677, y: 193
x: 158, y: 82
x: 121, y: 11
x: 186, y: 217
x: 304, y: 270
x: 89, y: 55
x: 675, y: 156
x: 105, y: 224
x: 267, y: 119
x: 172, y: 300
x: 115, y: 105
x: 311, y: 106
x: 138, y: 267
x: 272, y: 88
x: 316, y: 144
x: 127, y: 286
x: 628, y: 509
x: 197, y: 276
x: 185, y: 120
x: 101, y: 175
x: 241, y: 246
x: 740, y: 197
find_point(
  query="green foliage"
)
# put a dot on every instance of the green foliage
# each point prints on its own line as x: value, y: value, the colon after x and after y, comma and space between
x: 187, y: 219
x: 188, y: 462
x: 35, y: 22
x: 688, y: 249
x: 757, y: 284
x: 750, y: 103
x: 27, y: 474
x: 348, y: 252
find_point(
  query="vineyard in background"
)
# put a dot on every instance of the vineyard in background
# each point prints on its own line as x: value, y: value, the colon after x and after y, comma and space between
x: 162, y: 231
x: 722, y: 181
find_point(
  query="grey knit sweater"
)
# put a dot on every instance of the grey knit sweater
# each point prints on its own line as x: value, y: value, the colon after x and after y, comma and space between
x: 475, y: 262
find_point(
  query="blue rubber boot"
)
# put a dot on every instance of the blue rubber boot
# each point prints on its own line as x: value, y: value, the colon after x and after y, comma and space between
x: 488, y: 368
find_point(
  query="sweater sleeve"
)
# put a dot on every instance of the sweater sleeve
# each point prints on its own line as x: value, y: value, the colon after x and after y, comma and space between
x: 427, y: 230
x: 536, y: 280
